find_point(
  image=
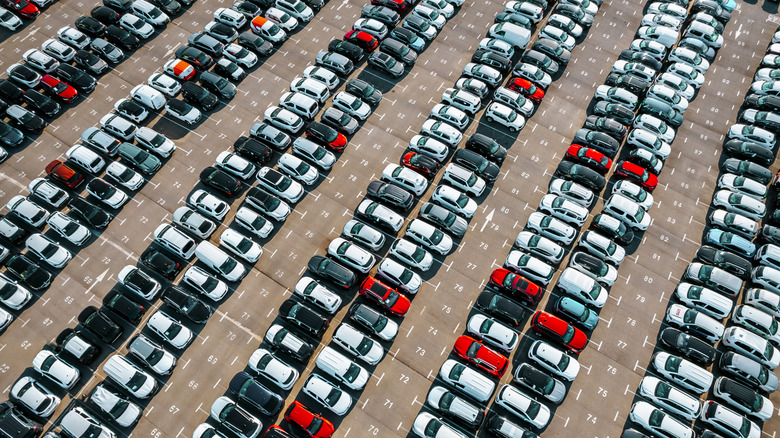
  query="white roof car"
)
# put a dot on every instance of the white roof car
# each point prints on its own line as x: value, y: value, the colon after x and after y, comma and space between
x: 136, y: 26
x: 34, y: 396
x: 656, y: 126
x: 551, y: 227
x: 563, y: 209
x: 328, y: 395
x: 752, y: 346
x: 311, y: 87
x: 13, y: 295
x: 572, y: 191
x: 442, y: 131
x: 602, y: 247
x: 164, y: 83
x: 118, y: 126
x: 373, y: 27
x: 425, y: 422
x: 557, y: 35
x: 254, y: 222
x: 429, y: 236
x: 79, y: 423
x: 235, y: 165
x: 193, y: 222
x: 529, y: 266
x: 734, y: 222
x: 463, y: 179
x: 313, y: 152
x: 297, y: 9
x: 523, y: 406
x: 240, y: 55
x: 50, y: 366
x: 364, y: 234
x: 658, y: 422
x: 664, y: 35
x: 281, y: 19
x: 634, y: 192
x: 752, y: 133
x: 124, y: 412
x: 310, y: 290
x: 405, y: 177
x: 687, y: 73
x: 694, y: 321
x: 411, y: 254
x: 240, y: 245
x: 152, y: 355
x: 283, y: 119
x: 58, y: 50
x: 539, y: 246
x: 351, y: 254
x: 499, y: 47
x: 398, y: 274
x: 462, y: 100
x: 757, y: 321
x: 298, y: 169
x: 150, y: 13
x: 429, y: 146
x: 683, y: 372
x: 586, y: 288
x: 351, y: 105
x: 280, y: 184
x: 342, y: 368
x: 743, y: 185
x: 740, y: 204
x: 73, y: 37
x: 380, y: 215
x: 27, y: 210
x: 668, y: 95
x: 208, y: 204
x: 628, y: 211
x: 644, y: 139
x: 661, y: 19
x: 444, y: 400
x: 50, y: 252
x: 467, y: 380
x: 48, y: 192
x: 672, y: 9
x: 484, y: 73
x: 124, y: 176
x: 492, y: 332
x: 230, y: 17
x: 554, y: 360
x: 9, y: 20
x: 764, y: 300
x: 170, y: 330
x: 450, y: 114
x: 677, y: 84
x: 322, y: 75
x: 69, y: 228
x: 205, y: 283
x: 40, y: 60
x: 358, y: 344
x: 728, y: 421
x: 506, y: 116
x: 616, y: 95
x: 669, y: 397
x: 704, y: 300
x: 182, y: 111
x: 233, y: 417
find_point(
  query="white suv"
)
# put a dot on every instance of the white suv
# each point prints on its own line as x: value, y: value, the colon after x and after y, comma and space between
x: 129, y: 377
x: 174, y: 240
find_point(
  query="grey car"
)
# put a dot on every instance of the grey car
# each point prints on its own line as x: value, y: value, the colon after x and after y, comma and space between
x: 336, y: 62
x: 340, y: 121
x: 444, y: 219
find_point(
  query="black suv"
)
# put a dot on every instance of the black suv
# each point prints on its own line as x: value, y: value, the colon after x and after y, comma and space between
x: 197, y: 95
x: 391, y: 194
x: 301, y: 316
x: 100, y: 324
x: 124, y: 306
x: 187, y: 305
x: 13, y: 423
x: 581, y: 174
x: 487, y: 147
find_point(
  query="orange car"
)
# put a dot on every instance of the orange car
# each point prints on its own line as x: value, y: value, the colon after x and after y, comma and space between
x: 311, y: 423
x: 62, y: 173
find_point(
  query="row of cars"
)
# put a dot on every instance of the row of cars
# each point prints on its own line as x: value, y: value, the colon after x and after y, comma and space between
x: 704, y: 297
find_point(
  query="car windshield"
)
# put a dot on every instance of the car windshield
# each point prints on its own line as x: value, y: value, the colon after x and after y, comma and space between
x: 391, y: 299
x: 70, y: 228
x: 104, y: 190
x: 172, y: 330
x: 365, y: 346
x: 315, y: 424
x: 533, y: 409
x: 418, y: 255
x: 333, y: 397
x: 299, y: 6
x: 302, y: 168
x: 48, y: 250
x: 656, y: 418
x: 136, y: 381
x: 568, y: 335
x: 229, y: 264
x: 48, y: 362
x: 594, y: 291
x: 462, y: 201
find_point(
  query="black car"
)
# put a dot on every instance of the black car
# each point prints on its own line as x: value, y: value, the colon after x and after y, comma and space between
x: 90, y: 26
x: 600, y: 141
x: 132, y: 108
x: 580, y: 174
x: 255, y: 43
x: 170, y: 7
x: 90, y: 61
x: 119, y: 5
x: 662, y: 110
x: 748, y: 169
x: 249, y: 9
x: 100, y: 324
x: 13, y: 232
x: 206, y: 43
x: 713, y: 8
x: 10, y: 91
x: 218, y: 85
x: 382, y: 14
x: 422, y: 164
x: 620, y: 113
x: 537, y: 381
x: 391, y: 194
x: 324, y: 135
x: 248, y: 391
x: 14, y: 424
x: 614, y: 229
x: 632, y: 83
x: 764, y: 103
x: 368, y: 318
x: 93, y: 215
x: 725, y: 260
x: 76, y: 77
x: 187, y: 305
x: 363, y: 90
x: 41, y: 103
x: 32, y: 275
x: 332, y: 271
x: 739, y: 394
x: 160, y: 262
x: 25, y: 119
x: 606, y: 125
x: 514, y: 18
x: 339, y: 120
x: 222, y: 32
x: 351, y: 51
x: 197, y: 95
x: 399, y: 51
x: 487, y: 147
x: 230, y: 70
x: 316, y: 5
x: 501, y: 307
x: 575, y: 13
x: 10, y: 136
x: 643, y: 159
x: 687, y: 345
x: 76, y: 345
x: 226, y: 183
x: 641, y: 57
x: 301, y: 316
x: 105, y: 15
x: 444, y: 219
x: 541, y: 60
x: 590, y: 263
x: 554, y: 50
x: 477, y: 164
x: 123, y: 306
x: 196, y: 57
x: 254, y: 150
x: 492, y: 59
x: 122, y: 38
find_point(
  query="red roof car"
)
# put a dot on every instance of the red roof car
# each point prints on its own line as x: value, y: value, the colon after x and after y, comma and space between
x: 24, y: 8
x: 589, y: 157
x: 527, y: 89
x: 555, y: 328
x: 516, y: 286
x: 636, y: 173
x: 311, y: 423
x: 364, y: 40
x: 60, y: 172
x: 59, y: 88
x: 385, y: 296
x: 488, y: 360
x: 422, y: 164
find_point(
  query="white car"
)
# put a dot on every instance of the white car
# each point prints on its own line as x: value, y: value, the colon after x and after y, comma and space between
x: 554, y: 360
x: 741, y: 204
x: 254, y: 222
x: 411, y: 254
x: 451, y: 115
x: 380, y: 215
x: 682, y: 372
x: 283, y: 119
x: 397, y: 274
x: 629, y: 212
x: 633, y: 192
x: 676, y: 83
x: 240, y: 245
x: 139, y: 282
x: 429, y: 146
x: 616, y: 95
x: 164, y: 84
x: 311, y: 151
x: 454, y: 200
x: 240, y: 55
x: 208, y: 204
x: 467, y: 380
x: 151, y: 355
x: 13, y: 295
x: 131, y: 110
x: 551, y: 228
x: 9, y: 21
x: 136, y: 26
x: 602, y: 247
x: 40, y: 61
x: 280, y: 184
x: 239, y: 421
x: 484, y: 73
x: 499, y: 47
x: 73, y: 37
x: 558, y: 35
x: 492, y: 332
x: 34, y: 396
x: 563, y: 209
x: 28, y: 211
x: 753, y: 134
x: 688, y: 56
x: 351, y: 105
x: 441, y: 131
x: 58, y: 50
x: 322, y: 75
x: 658, y: 422
x: 728, y: 421
x: 661, y: 34
x: 267, y: 29
x: 539, y: 246
x: 48, y: 192
x: 669, y: 397
x: 205, y: 283
x: 752, y: 346
x: 364, y: 234
x: 182, y: 111
x: 757, y: 321
x: 406, y: 178
x: 69, y: 228
x: 373, y: 27
x: 572, y: 191
x: 107, y: 193
x: 312, y: 291
x: 359, y: 345
x: 235, y: 165
x: 281, y: 18
x: 529, y: 266
x: 504, y: 115
x: 297, y: 9
x: 429, y: 236
x: 230, y: 17
x: 656, y: 126
x: 644, y: 139
x: 50, y: 366
x: 118, y: 126
x: 523, y: 406
x: 193, y: 222
x: 661, y: 19
x: 743, y: 185
x: 298, y: 169
x: 77, y: 422
x: 425, y: 422
x: 328, y: 395
x: 668, y: 95
x: 763, y: 300
x: 170, y: 330
x: 463, y: 179
x: 534, y: 74
x: 743, y: 398
x: 686, y: 73
x: 351, y: 254
x: 50, y: 252
x: 124, y: 412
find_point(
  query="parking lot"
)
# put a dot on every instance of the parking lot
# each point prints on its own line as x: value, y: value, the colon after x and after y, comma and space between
x: 598, y: 402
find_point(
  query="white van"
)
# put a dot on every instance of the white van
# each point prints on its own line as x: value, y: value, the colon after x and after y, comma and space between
x: 342, y: 368
x: 86, y: 158
x: 220, y: 262
x: 300, y: 104
x: 768, y: 255
x: 511, y: 33
x: 583, y: 287
x: 148, y: 97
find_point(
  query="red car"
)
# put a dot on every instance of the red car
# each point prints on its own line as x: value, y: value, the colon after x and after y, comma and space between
x: 483, y: 357
x: 59, y: 88
x: 527, y: 89
x: 311, y: 423
x: 326, y: 136
x: 24, y: 8
x: 636, y: 173
x: 516, y: 286
x: 589, y: 157
x: 60, y: 172
x: 422, y: 164
x: 570, y: 337
x: 385, y: 296
x: 364, y: 40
